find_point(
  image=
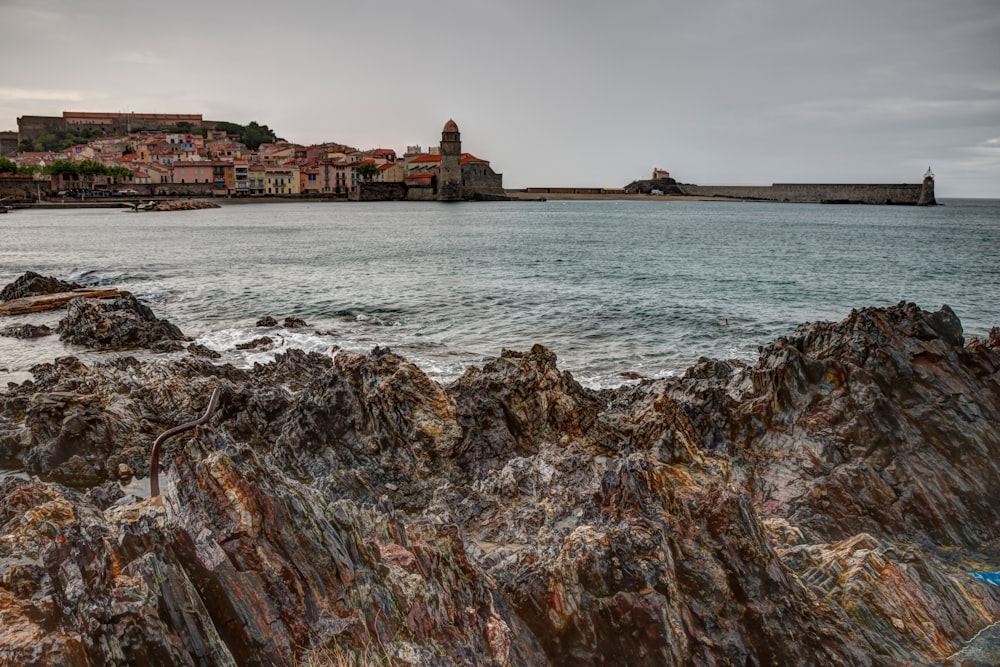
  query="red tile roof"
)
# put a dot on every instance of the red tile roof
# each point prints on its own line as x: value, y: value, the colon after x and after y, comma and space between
x: 469, y: 157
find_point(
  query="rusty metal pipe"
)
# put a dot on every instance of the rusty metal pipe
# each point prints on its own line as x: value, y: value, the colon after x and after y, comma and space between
x: 154, y: 463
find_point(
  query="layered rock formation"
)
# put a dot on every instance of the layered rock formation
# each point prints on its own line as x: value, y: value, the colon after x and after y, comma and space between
x: 34, y: 284
x: 113, y: 324
x: 822, y: 507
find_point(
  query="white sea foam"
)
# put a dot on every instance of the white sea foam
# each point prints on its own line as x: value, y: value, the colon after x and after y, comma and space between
x: 225, y: 342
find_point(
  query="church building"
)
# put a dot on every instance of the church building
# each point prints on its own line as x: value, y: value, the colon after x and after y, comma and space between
x: 450, y: 174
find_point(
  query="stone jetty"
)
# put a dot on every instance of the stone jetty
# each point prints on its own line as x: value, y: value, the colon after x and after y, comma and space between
x: 823, y: 506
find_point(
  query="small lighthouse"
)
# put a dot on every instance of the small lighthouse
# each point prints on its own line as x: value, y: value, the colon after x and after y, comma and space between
x: 927, y: 190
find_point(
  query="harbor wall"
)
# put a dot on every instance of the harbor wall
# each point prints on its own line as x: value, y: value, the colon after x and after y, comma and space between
x: 903, y: 193
x: 18, y: 186
x: 378, y: 192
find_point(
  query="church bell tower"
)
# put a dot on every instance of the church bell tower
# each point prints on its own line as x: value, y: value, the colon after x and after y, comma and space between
x: 450, y: 176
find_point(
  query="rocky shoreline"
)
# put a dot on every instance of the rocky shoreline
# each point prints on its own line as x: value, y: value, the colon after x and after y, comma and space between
x: 825, y: 506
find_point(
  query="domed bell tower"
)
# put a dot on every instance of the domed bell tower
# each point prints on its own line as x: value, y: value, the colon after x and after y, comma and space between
x: 450, y: 176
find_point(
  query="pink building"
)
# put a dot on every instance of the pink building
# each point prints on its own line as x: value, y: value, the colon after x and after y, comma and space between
x: 192, y: 172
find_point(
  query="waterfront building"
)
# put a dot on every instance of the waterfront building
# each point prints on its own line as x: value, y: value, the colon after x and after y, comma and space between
x: 281, y: 180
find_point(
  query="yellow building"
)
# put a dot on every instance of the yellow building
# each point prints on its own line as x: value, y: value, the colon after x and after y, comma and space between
x: 281, y: 180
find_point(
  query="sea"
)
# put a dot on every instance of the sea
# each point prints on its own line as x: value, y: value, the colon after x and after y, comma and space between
x: 617, y: 289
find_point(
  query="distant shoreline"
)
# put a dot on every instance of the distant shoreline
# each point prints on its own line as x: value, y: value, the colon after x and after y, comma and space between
x: 515, y: 196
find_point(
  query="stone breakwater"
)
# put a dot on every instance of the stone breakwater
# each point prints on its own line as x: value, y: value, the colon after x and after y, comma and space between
x: 182, y: 205
x: 824, y: 506
x: 836, y: 193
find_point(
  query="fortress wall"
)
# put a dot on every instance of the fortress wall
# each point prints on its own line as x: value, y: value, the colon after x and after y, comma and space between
x: 30, y: 127
x: 903, y: 193
x: 8, y: 143
x: 481, y: 176
x: 420, y: 194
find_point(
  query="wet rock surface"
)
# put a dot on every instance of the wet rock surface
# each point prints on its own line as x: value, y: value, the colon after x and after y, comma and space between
x: 113, y: 324
x: 34, y: 284
x: 26, y: 331
x: 824, y: 506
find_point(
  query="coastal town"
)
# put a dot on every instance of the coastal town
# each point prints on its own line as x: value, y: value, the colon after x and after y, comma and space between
x: 88, y: 156
x: 132, y: 154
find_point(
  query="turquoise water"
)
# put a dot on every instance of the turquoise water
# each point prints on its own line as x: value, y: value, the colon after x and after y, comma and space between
x: 990, y: 577
x: 612, y: 287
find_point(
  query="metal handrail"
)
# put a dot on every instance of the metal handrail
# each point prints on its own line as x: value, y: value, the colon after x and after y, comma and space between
x: 154, y: 463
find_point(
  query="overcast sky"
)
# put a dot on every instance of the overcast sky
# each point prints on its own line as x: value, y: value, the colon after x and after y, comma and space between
x: 552, y: 92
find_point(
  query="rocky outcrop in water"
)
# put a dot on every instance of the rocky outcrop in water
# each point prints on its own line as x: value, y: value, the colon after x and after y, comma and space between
x: 26, y: 331
x: 824, y: 506
x: 34, y: 284
x: 667, y: 186
x: 182, y: 205
x: 116, y: 324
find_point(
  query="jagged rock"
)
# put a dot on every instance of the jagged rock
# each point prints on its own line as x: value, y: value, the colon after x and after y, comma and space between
x: 294, y: 323
x: 822, y: 507
x: 200, y: 350
x: 214, y: 576
x: 262, y: 343
x: 25, y: 331
x: 116, y: 324
x: 267, y: 321
x: 33, y: 284
x: 519, y: 401
x: 883, y: 424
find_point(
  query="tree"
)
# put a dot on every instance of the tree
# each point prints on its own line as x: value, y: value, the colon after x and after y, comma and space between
x: 251, y: 135
x: 68, y: 170
x: 256, y: 134
x: 119, y: 173
x: 367, y: 170
x: 88, y: 170
x: 7, y: 166
x: 62, y: 168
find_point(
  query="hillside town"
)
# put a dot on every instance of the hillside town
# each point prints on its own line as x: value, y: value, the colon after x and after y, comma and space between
x: 184, y: 155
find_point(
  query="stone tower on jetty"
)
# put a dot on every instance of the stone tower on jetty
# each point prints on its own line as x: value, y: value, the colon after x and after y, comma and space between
x: 450, y: 175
